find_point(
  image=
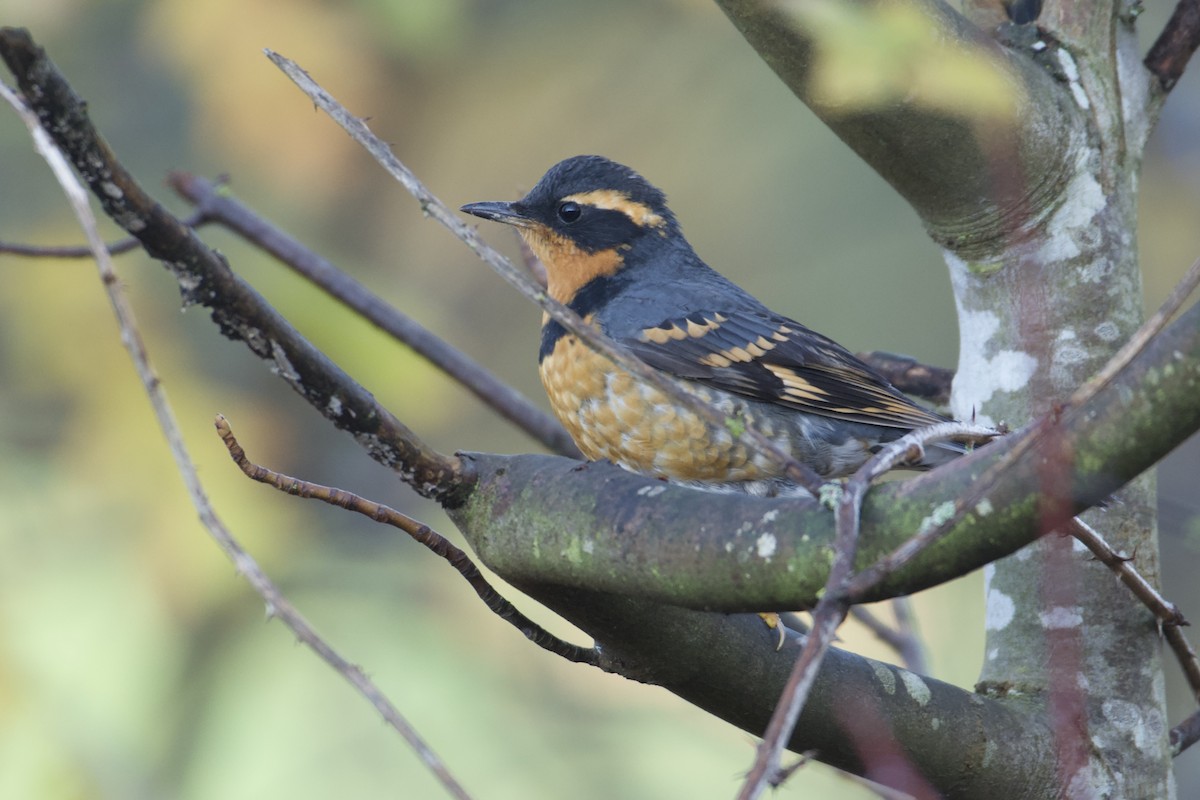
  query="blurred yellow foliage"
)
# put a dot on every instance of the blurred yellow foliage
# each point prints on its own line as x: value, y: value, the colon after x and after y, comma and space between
x: 247, y: 110
x: 875, y: 55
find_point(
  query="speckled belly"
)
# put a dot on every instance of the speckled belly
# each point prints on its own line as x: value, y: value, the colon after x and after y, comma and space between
x: 612, y: 416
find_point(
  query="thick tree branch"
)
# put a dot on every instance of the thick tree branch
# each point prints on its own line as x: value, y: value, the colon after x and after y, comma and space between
x: 633, y: 536
x: 205, y: 278
x: 936, y: 142
x: 625, y: 534
x: 728, y: 665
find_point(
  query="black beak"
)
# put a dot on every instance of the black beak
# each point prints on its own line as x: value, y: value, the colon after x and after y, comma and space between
x: 508, y: 213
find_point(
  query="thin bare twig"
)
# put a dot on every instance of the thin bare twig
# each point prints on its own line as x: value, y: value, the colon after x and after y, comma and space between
x: 1167, y: 613
x: 886, y: 792
x: 420, y: 532
x: 509, y: 403
x: 1170, y: 618
x: 901, y: 638
x: 797, y: 471
x: 834, y: 604
x: 912, y: 646
x: 116, y: 248
x: 277, y: 604
x: 1186, y: 656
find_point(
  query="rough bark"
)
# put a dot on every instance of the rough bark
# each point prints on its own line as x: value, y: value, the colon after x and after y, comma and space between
x: 1036, y: 213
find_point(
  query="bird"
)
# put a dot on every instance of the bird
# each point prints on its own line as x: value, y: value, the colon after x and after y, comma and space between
x: 616, y: 255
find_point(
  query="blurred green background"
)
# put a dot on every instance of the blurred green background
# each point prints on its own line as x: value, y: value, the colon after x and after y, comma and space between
x: 134, y: 662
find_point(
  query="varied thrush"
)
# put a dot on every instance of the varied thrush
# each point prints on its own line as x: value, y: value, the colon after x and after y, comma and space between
x: 615, y: 254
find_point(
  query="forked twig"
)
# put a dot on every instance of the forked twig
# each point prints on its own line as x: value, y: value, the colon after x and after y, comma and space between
x: 901, y: 638
x: 277, y: 604
x: 509, y: 403
x: 119, y: 247
x: 420, y: 532
x: 205, y: 278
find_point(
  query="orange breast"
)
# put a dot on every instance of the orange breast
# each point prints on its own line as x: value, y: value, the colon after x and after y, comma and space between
x: 612, y: 416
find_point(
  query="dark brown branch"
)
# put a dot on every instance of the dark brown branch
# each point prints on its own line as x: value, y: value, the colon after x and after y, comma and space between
x: 83, y: 251
x: 728, y: 665
x: 205, y: 278
x: 421, y: 533
x: 277, y: 605
x: 1170, y: 618
x: 912, y: 377
x: 1169, y: 55
x: 1185, y: 734
x: 510, y: 404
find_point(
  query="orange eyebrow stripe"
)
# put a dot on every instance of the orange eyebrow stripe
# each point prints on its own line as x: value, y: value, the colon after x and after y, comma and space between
x: 641, y: 214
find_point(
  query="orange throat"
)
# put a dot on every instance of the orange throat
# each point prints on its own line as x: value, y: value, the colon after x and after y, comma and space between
x: 568, y: 267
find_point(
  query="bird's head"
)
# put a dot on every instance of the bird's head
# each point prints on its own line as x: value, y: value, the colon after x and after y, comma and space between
x: 584, y: 219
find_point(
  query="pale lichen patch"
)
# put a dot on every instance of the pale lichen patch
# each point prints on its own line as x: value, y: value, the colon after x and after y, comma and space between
x: 1000, y: 610
x: 917, y: 689
x: 766, y: 546
x: 941, y: 513
x: 1061, y: 617
x: 1071, y: 73
x: 885, y: 676
x: 1107, y: 331
x: 983, y: 369
x: 283, y: 367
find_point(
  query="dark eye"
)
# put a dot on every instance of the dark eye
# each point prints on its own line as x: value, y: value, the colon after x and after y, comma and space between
x: 569, y: 212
